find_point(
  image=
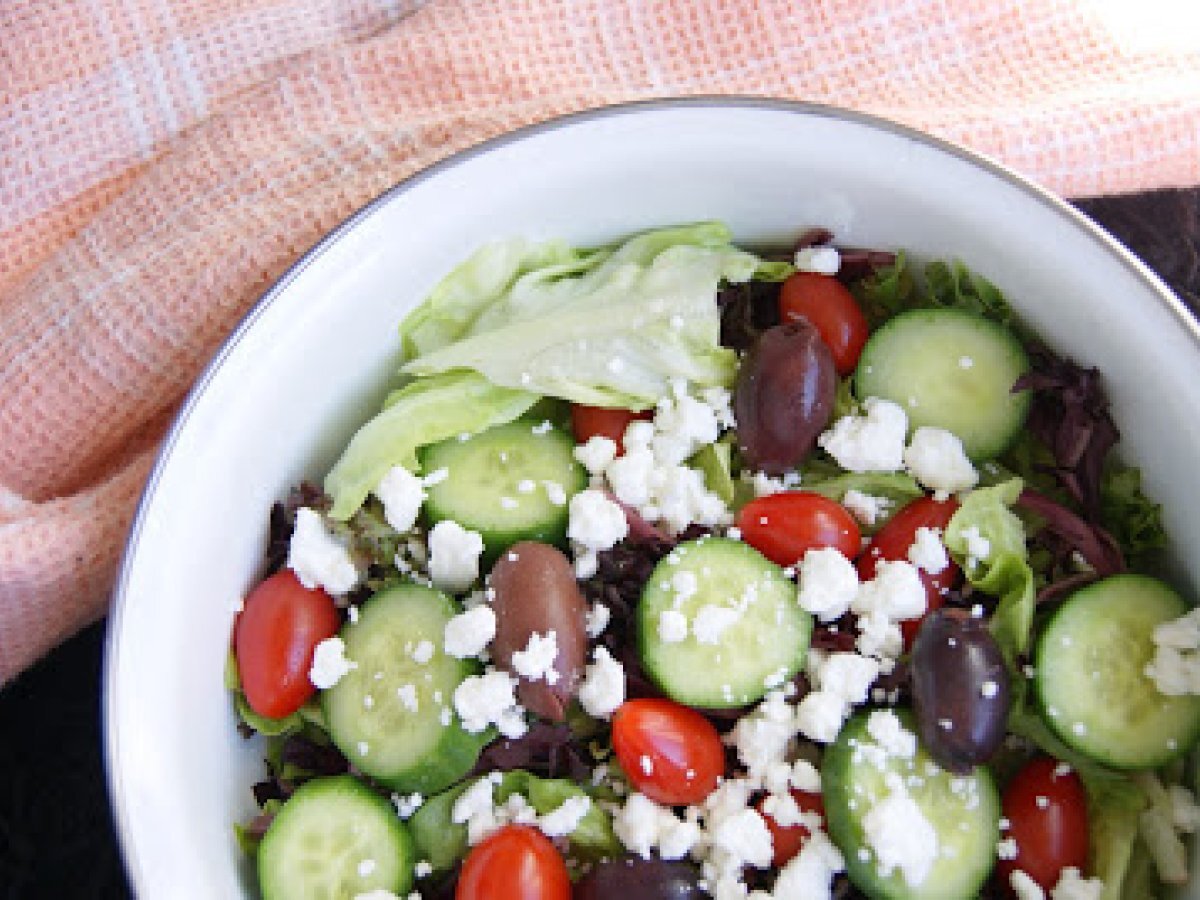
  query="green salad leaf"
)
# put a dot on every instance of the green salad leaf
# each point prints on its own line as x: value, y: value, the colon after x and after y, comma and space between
x: 1114, y: 810
x: 828, y: 480
x: 1130, y: 517
x: 1005, y: 571
x: 954, y: 286
x: 612, y: 329
x: 443, y: 842
x: 888, y: 291
x: 423, y: 412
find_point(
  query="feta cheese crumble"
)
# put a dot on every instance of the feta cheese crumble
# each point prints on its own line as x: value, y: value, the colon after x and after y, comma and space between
x: 490, y: 699
x: 454, y: 556
x: 596, y: 454
x: 828, y: 583
x: 329, y: 663
x: 536, y: 661
x: 468, y: 633
x: 603, y: 687
x: 979, y: 548
x: 873, y: 442
x: 901, y: 838
x: 1073, y: 886
x: 594, y: 523
x: 712, y: 621
x: 401, y: 493
x: 318, y: 558
x: 866, y: 508
x: 821, y: 260
x: 1175, y: 668
x: 936, y: 458
x: 927, y: 551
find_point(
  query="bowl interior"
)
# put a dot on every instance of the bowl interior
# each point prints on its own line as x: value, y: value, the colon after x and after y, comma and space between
x: 312, y: 360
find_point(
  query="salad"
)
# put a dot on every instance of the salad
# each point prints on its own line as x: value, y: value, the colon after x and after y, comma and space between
x: 673, y: 570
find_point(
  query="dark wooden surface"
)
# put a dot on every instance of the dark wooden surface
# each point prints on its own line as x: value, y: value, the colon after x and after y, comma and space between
x: 56, y: 835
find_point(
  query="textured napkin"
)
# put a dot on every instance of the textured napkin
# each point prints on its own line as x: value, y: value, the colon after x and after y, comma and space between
x: 162, y: 161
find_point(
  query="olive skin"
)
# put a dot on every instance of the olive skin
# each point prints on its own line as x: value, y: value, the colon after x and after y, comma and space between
x: 961, y: 689
x: 535, y: 591
x: 632, y: 878
x: 784, y: 396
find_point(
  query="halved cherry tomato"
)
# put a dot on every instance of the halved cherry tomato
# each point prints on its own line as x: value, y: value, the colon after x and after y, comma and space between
x: 1046, y: 808
x: 669, y: 752
x: 515, y: 863
x: 790, y: 840
x: 892, y: 541
x: 832, y: 310
x: 274, y: 638
x: 589, y: 421
x: 785, y: 526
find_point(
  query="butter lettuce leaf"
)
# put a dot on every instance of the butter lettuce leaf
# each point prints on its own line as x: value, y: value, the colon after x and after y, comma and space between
x: 1004, y: 572
x: 423, y: 412
x: 612, y: 328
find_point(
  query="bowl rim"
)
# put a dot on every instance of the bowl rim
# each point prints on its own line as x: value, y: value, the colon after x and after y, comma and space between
x: 111, y: 739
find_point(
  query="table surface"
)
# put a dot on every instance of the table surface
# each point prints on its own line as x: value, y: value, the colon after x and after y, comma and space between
x: 56, y: 836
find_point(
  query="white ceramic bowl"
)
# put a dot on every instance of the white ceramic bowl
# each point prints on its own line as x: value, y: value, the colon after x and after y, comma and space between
x: 310, y: 360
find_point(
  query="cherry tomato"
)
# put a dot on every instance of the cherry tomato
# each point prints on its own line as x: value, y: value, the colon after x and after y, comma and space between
x: 276, y: 633
x: 669, y: 752
x: 783, y: 527
x: 892, y: 541
x: 1046, y: 808
x: 590, y: 421
x: 832, y: 310
x: 515, y: 863
x: 789, y: 840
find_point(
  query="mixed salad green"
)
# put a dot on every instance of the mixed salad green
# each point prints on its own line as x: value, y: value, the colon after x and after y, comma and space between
x: 675, y: 570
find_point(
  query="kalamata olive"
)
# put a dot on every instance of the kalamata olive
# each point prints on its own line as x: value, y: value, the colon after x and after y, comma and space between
x: 633, y: 878
x: 961, y: 689
x: 536, y: 592
x: 784, y: 396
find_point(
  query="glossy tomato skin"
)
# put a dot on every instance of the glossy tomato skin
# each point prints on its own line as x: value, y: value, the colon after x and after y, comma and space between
x: 515, y: 863
x: 785, y: 526
x: 832, y: 310
x: 1046, y: 808
x: 669, y: 752
x: 892, y: 541
x: 592, y: 421
x: 274, y: 639
x: 788, y: 841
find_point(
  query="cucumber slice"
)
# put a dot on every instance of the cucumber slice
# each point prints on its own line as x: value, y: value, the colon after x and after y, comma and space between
x: 333, y: 840
x: 950, y: 369
x: 1090, y: 679
x: 963, y: 810
x: 764, y: 639
x: 370, y: 711
x: 497, y: 484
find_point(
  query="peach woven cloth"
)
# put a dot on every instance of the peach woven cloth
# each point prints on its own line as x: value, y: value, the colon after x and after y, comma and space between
x: 162, y: 161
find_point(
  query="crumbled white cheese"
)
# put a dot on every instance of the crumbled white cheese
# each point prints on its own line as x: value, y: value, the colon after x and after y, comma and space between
x: 1175, y: 668
x: 761, y: 737
x: 379, y: 894
x: 318, y: 558
x: 536, y: 661
x: 896, y: 740
x: 1073, y: 886
x: 712, y: 621
x: 468, y: 633
x: 596, y: 619
x: 684, y: 424
x: 927, y: 551
x: 870, y: 443
x: 408, y: 697
x: 820, y: 714
x: 936, y: 458
x: 641, y: 825
x: 563, y: 820
x: 406, y: 807
x: 423, y: 868
x: 879, y: 636
x: 822, y: 260
x: 401, y: 493
x: 490, y: 699
x: 672, y: 626
x: 743, y: 839
x: 603, y: 687
x: 896, y: 591
x: 595, y: 523
x: 454, y: 556
x: 1007, y: 848
x: 596, y: 454
x: 866, y: 508
x: 805, y: 777
x: 555, y: 493
x: 329, y: 663
x: 979, y: 548
x: 423, y: 652
x: 828, y: 583
x: 848, y: 675
x: 900, y: 836
x: 1025, y: 887
x: 810, y: 873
